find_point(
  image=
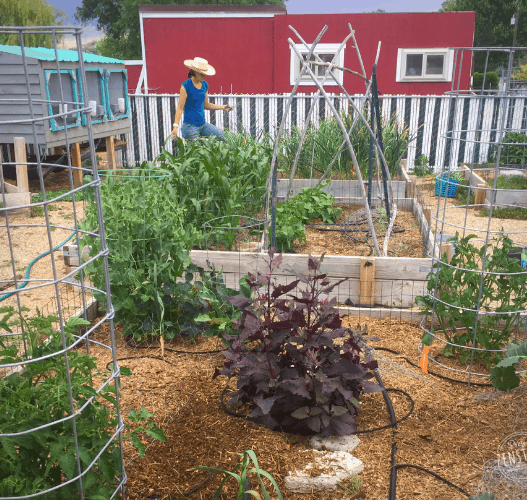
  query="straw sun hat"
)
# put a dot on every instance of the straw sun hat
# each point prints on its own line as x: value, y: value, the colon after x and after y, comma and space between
x: 200, y: 65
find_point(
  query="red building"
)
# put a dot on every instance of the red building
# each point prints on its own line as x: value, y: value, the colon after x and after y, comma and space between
x: 248, y: 46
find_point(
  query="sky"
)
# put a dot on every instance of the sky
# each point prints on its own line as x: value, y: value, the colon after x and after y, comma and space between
x: 304, y: 7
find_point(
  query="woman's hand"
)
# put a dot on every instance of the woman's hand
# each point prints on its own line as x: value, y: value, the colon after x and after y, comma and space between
x: 227, y: 108
x: 174, y: 131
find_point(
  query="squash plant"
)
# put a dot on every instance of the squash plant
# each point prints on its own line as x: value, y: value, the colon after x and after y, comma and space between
x: 297, y: 367
x: 458, y: 284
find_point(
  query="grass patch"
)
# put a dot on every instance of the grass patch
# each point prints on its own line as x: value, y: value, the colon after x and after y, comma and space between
x: 509, y: 182
x: 506, y: 213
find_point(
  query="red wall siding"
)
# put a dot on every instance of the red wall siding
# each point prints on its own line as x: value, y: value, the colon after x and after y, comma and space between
x: 134, y: 72
x: 240, y: 49
x: 414, y: 30
x: 252, y: 54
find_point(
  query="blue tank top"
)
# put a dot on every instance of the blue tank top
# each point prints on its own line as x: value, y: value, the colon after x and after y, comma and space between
x: 194, y: 110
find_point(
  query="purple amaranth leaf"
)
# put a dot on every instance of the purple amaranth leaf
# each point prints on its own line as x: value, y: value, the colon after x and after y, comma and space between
x: 344, y: 366
x: 239, y: 301
x: 369, y: 387
x: 329, y: 289
x: 313, y: 263
x: 301, y: 413
x: 265, y: 404
x: 296, y: 386
x: 343, y: 425
x: 283, y: 289
x: 314, y: 424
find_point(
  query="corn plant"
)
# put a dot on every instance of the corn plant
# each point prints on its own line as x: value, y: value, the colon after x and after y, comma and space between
x: 240, y: 472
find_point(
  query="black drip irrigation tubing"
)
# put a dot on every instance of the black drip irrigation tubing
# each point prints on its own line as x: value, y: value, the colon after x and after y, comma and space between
x: 438, y: 375
x: 394, y: 467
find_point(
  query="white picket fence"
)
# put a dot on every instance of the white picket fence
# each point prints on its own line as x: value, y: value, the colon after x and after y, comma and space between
x: 443, y: 128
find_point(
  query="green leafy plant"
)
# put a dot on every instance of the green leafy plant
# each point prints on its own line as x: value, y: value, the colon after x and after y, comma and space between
x: 40, y: 459
x: 297, y: 367
x: 503, y: 376
x: 513, y: 150
x: 240, y: 472
x: 155, y: 290
x: 142, y: 420
x: 509, y: 182
x: 292, y: 215
x: 503, y: 291
x: 322, y: 144
x: 506, y: 213
x: 211, y: 179
x: 492, y: 80
x: 421, y: 167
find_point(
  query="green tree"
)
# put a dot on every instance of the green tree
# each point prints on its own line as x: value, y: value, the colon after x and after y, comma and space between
x: 119, y: 19
x: 493, y: 27
x: 29, y: 13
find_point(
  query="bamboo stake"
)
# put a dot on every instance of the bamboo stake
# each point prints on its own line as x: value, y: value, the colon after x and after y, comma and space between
x: 308, y: 120
x: 350, y: 148
x: 272, y: 174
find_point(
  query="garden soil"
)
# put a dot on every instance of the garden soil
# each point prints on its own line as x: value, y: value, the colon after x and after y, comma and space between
x: 457, y: 217
x: 452, y: 431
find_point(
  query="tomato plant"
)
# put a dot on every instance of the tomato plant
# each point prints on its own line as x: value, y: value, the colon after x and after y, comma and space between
x: 503, y: 296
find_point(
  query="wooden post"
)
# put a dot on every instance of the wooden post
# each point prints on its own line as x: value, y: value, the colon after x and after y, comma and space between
x: 427, y: 210
x: 76, y: 162
x: 21, y: 170
x: 449, y: 252
x: 412, y: 185
x: 367, y: 281
x: 57, y: 150
x: 480, y: 194
x: 110, y: 152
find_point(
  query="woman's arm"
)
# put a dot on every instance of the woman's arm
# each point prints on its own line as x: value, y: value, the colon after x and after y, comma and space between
x: 179, y: 110
x: 214, y: 107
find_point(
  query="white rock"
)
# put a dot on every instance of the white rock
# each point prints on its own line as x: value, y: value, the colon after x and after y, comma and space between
x: 335, y: 443
x: 340, y: 463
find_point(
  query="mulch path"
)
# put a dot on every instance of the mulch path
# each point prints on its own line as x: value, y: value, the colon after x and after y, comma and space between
x: 450, y: 432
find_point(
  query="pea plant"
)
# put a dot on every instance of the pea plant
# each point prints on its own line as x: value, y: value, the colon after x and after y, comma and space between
x: 296, y: 366
x: 156, y: 290
x: 458, y: 285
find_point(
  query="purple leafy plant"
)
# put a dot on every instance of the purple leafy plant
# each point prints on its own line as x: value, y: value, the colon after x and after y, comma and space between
x: 296, y: 366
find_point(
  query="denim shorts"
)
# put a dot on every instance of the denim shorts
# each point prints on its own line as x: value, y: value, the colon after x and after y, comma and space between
x: 192, y: 132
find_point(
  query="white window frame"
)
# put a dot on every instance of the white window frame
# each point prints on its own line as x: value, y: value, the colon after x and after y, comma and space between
x: 446, y: 76
x: 321, y: 48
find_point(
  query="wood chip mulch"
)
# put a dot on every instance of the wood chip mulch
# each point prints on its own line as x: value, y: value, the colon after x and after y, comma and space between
x: 450, y: 432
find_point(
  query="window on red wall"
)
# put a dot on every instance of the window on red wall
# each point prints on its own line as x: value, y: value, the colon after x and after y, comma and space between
x: 326, y: 52
x: 424, y: 65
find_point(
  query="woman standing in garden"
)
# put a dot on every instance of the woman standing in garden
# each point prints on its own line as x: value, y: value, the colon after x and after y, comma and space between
x: 194, y: 100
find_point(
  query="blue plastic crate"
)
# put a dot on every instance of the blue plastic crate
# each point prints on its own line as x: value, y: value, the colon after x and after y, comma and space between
x: 446, y: 186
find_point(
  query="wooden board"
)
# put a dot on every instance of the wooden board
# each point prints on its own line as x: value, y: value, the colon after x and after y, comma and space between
x: 17, y: 200
x: 393, y: 268
x: 397, y: 281
x: 367, y: 281
x: 21, y: 165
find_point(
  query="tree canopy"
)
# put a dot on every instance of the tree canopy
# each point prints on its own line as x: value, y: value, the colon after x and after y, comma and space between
x: 29, y: 13
x: 493, y: 27
x: 119, y: 19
